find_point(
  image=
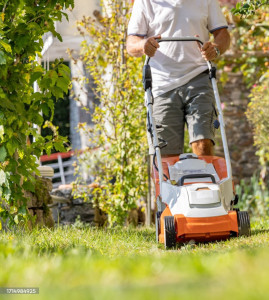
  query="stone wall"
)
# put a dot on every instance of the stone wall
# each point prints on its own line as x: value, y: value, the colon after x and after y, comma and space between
x: 67, y: 208
x: 38, y: 203
x: 234, y: 98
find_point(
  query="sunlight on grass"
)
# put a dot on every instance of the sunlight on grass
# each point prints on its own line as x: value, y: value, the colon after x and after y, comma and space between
x: 126, y: 263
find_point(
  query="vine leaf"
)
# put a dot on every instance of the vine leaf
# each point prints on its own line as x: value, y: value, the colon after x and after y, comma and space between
x: 3, y: 153
x: 2, y: 58
x: 5, y: 46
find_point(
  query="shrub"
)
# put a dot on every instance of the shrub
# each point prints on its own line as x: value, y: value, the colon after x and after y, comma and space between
x: 257, y: 113
x: 119, y: 132
x: 253, y: 197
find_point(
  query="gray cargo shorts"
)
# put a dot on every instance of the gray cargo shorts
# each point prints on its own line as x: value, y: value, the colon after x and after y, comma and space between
x: 193, y: 104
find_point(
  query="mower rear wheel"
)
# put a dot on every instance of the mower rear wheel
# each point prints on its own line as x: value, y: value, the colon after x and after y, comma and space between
x: 169, y: 232
x: 243, y: 223
x: 158, y: 224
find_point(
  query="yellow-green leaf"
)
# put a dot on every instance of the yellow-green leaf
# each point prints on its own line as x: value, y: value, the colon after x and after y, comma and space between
x: 5, y: 45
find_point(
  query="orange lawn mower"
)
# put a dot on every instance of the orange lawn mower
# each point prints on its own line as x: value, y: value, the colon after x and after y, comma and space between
x: 195, y: 195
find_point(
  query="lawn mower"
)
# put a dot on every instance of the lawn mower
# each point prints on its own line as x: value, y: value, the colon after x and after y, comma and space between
x: 195, y: 195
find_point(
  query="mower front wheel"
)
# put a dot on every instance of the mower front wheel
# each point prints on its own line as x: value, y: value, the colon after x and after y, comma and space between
x: 169, y: 232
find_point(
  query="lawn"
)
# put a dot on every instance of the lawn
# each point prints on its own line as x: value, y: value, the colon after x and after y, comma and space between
x: 126, y: 263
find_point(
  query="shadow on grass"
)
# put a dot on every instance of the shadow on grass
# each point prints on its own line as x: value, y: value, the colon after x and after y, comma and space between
x: 259, y: 231
x: 148, y: 235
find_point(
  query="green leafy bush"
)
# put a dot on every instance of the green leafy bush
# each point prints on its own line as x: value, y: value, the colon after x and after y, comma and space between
x: 22, y: 26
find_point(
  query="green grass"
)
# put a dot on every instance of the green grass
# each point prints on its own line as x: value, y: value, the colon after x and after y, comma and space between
x: 126, y: 263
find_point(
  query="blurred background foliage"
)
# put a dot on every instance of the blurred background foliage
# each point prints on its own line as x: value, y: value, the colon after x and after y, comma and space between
x: 248, y: 8
x: 249, y: 48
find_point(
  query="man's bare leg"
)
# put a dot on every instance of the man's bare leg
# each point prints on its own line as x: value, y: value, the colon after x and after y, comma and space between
x: 203, y: 147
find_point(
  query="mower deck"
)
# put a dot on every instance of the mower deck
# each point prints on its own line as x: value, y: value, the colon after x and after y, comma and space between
x: 201, y: 229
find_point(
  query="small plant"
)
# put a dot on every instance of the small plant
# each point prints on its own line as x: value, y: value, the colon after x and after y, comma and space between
x: 253, y: 197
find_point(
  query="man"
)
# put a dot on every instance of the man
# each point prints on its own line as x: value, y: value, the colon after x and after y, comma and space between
x: 181, y: 87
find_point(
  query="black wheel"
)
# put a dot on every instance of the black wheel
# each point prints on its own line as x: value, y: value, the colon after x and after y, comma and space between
x: 243, y: 223
x: 158, y: 224
x: 169, y: 232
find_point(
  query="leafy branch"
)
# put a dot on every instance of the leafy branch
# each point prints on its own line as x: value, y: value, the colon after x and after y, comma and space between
x: 248, y: 8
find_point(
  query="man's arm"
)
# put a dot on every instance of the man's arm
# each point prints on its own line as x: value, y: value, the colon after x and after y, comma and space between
x: 138, y: 46
x: 221, y: 41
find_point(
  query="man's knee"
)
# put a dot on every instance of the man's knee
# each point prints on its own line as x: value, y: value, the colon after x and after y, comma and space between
x: 203, y: 147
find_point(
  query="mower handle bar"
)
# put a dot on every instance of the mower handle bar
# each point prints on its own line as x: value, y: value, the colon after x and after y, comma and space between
x: 194, y: 176
x: 176, y: 39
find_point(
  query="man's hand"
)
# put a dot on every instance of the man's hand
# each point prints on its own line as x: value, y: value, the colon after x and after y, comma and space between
x: 150, y: 45
x: 208, y: 51
x: 138, y: 46
x: 221, y: 42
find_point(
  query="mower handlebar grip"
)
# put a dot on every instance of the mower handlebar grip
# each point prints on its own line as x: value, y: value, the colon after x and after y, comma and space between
x: 194, y: 176
x: 180, y: 39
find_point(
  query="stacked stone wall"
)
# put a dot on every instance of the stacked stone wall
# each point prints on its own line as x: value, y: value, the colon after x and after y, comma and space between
x: 38, y: 203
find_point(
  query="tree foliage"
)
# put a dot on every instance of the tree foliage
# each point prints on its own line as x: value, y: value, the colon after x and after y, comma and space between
x: 249, y: 47
x: 248, y: 8
x: 119, y: 166
x: 22, y: 25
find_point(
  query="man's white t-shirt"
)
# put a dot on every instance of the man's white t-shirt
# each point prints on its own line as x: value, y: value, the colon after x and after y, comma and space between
x: 175, y: 63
